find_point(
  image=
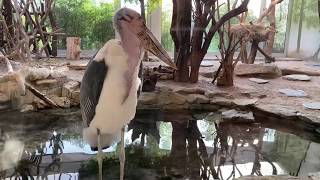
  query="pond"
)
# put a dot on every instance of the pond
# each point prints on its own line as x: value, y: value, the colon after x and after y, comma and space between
x: 159, y: 145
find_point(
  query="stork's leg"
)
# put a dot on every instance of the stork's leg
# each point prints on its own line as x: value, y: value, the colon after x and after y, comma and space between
x: 122, y: 155
x: 100, y: 155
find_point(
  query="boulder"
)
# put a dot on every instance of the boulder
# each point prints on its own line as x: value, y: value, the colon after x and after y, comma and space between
x: 69, y: 87
x: 33, y: 73
x: 258, y: 70
x: 297, y: 77
x: 75, y: 97
x: 237, y: 116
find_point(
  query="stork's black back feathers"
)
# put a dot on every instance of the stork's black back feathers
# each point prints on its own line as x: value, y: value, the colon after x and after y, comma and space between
x: 91, y: 88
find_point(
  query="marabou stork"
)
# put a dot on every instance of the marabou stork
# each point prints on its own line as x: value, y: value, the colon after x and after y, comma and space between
x: 108, y: 92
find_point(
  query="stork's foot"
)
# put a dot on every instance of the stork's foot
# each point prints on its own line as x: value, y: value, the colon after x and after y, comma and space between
x: 122, y: 155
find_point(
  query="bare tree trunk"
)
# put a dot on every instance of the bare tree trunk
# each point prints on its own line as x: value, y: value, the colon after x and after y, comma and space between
x: 143, y: 15
x: 270, y: 41
x: 300, y: 25
x: 253, y: 52
x: 180, y: 32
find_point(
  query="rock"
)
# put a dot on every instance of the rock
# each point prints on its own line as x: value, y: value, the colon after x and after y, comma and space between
x: 207, y: 63
x: 207, y: 74
x: 4, y: 107
x: 278, y: 109
x: 211, y: 94
x: 75, y: 97
x: 258, y: 80
x: 190, y: 91
x: 245, y: 102
x: 27, y: 108
x: 4, y: 98
x: 69, y: 87
x: 168, y: 97
x: 237, y: 116
x: 148, y: 98
x: 46, y: 82
x: 258, y: 70
x: 222, y: 102
x: 57, y: 74
x: 314, y: 176
x: 197, y: 99
x: 293, y: 93
x: 61, y: 101
x: 214, y: 117
x: 297, y: 77
x: 313, y: 106
x: 306, y: 71
x: 33, y: 74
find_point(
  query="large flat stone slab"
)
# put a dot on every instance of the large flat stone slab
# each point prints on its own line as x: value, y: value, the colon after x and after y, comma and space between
x: 297, y: 77
x: 237, y: 116
x: 293, y: 93
x: 258, y: 70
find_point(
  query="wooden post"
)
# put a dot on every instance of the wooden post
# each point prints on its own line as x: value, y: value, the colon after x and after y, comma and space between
x: 73, y: 48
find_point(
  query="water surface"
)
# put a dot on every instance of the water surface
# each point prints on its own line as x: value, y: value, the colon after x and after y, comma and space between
x: 159, y: 145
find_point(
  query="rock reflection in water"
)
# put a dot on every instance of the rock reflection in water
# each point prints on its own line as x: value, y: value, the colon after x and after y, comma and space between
x: 179, y: 145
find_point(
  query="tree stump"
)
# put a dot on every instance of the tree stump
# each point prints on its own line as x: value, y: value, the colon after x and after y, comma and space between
x: 73, y: 48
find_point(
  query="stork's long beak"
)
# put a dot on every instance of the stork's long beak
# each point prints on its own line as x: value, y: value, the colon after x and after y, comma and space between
x: 153, y: 45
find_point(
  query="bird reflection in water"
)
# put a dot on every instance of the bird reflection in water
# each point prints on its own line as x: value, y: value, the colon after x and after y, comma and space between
x: 30, y: 165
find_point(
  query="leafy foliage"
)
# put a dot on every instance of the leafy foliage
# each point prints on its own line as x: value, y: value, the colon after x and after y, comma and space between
x: 84, y: 19
x: 310, y: 13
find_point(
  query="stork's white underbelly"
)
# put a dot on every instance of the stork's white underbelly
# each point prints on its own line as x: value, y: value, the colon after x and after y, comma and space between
x: 111, y: 115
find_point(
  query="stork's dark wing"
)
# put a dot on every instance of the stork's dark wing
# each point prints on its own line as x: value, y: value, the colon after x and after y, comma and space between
x: 90, y: 89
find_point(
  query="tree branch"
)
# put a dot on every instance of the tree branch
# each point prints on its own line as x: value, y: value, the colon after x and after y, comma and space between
x: 242, y: 8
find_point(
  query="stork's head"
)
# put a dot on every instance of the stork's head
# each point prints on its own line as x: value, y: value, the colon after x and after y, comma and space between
x: 131, y: 27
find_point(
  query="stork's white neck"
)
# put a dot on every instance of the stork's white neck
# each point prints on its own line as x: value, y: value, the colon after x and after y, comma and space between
x: 132, y: 46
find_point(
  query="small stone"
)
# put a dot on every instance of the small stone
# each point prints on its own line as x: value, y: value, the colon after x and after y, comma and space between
x: 293, y: 93
x: 258, y: 80
x: 297, y: 77
x: 313, y: 106
x: 245, y: 102
x: 207, y: 63
x: 237, y: 116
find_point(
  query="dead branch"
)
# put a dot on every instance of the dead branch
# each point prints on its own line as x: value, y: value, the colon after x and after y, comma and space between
x: 40, y: 95
x: 269, y: 58
x: 267, y: 11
